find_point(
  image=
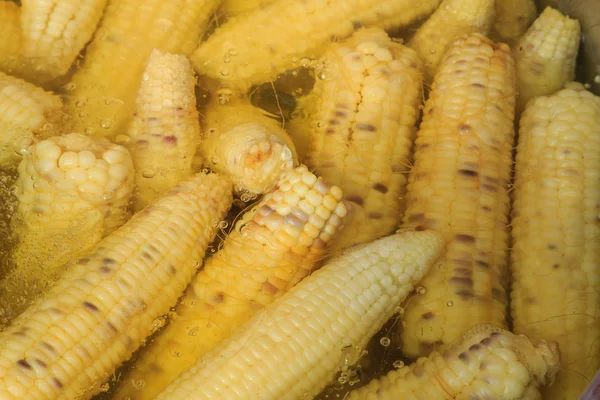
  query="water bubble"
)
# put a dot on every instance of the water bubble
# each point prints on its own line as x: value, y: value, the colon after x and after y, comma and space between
x: 226, y: 59
x: 398, y: 364
x: 304, y: 62
x: 148, y: 173
x: 322, y: 75
x: 145, y: 77
x: 233, y: 52
x: 106, y: 123
x: 89, y: 131
x: 214, y: 160
x: 294, y: 74
x: 320, y: 124
x: 449, y: 303
x: 399, y: 311
x: 245, y: 197
x: 224, y: 72
x: 385, y: 341
x: 223, y: 224
x: 421, y: 290
x: 79, y: 103
x: 431, y: 51
x: 342, y: 379
x: 108, y: 101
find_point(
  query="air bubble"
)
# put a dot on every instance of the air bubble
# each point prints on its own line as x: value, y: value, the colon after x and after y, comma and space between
x: 322, y: 75
x: 421, y: 290
x: 148, y: 173
x: 245, y: 197
x: 223, y: 224
x: 399, y: 311
x: 233, y: 52
x: 79, y: 103
x: 89, y: 131
x: 214, y: 160
x: 385, y: 341
x: 226, y: 59
x: 224, y: 72
x: 449, y: 303
x: 106, y: 123
x: 398, y: 364
x: 305, y: 62
x: 320, y: 124
x: 431, y: 51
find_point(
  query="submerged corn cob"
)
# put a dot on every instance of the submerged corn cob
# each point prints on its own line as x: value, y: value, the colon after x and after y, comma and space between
x: 513, y: 18
x: 458, y: 187
x: 54, y: 33
x: 26, y: 111
x: 293, y: 348
x: 72, y: 190
x: 10, y: 34
x: 102, y: 310
x: 241, y: 141
x: 277, y: 245
x: 453, y: 19
x: 361, y: 121
x: 242, y: 55
x: 489, y: 363
x: 103, y: 91
x: 233, y: 8
x: 165, y: 129
x: 555, y: 226
x: 545, y: 56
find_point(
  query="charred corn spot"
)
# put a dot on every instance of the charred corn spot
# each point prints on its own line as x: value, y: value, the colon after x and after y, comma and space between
x: 72, y: 190
x: 545, y: 56
x: 91, y: 321
x: 26, y: 112
x: 241, y: 141
x: 453, y: 19
x: 343, y: 304
x: 10, y: 34
x: 242, y: 55
x: 458, y: 188
x: 513, y: 18
x: 488, y: 363
x: 103, y: 89
x: 54, y: 32
x: 272, y: 248
x: 165, y: 130
x: 361, y: 122
x: 555, y: 232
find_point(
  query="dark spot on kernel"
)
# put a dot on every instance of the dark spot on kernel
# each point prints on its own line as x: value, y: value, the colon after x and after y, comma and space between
x: 155, y: 368
x: 329, y: 131
x: 419, y: 372
x: 57, y: 383
x: 380, y: 188
x: 48, y: 347
x: 419, y: 228
x: 397, y: 168
x: 108, y: 261
x: 464, y: 128
x: 430, y: 111
x: 111, y: 326
x: 552, y: 247
x: 478, y: 85
x: 333, y: 122
x: 219, y: 297
x: 170, y: 139
x: 356, y: 200
x: 146, y: 255
x: 475, y: 347
x: 142, y: 144
x: 104, y: 270
x: 269, y: 288
x: 468, y: 172
x: 356, y: 24
x: 19, y: 333
x: 55, y: 311
x: 340, y: 114
x: 271, y: 49
x: 89, y: 306
x: 365, y: 127
x: 489, y: 188
x: 486, y: 341
x: 40, y: 363
x: 482, y: 264
x: 462, y: 280
x: 464, y: 238
x: 446, y: 355
x: 486, y: 208
x: 375, y: 215
x: 172, y: 269
x: 464, y: 294
x: 428, y: 315
x: 84, y: 260
x: 23, y: 364
x: 464, y: 357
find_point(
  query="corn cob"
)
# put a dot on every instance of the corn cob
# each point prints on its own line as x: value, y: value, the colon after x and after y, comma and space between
x: 277, y: 245
x: 26, y: 111
x: 513, y: 18
x: 240, y: 140
x: 103, y: 90
x: 458, y: 187
x: 242, y: 55
x: 54, y: 32
x: 555, y: 256
x: 233, y: 8
x: 72, y: 190
x: 489, y: 363
x: 64, y: 346
x: 294, y: 347
x: 165, y: 130
x: 361, y: 121
x: 545, y: 56
x: 452, y: 20
x: 10, y: 34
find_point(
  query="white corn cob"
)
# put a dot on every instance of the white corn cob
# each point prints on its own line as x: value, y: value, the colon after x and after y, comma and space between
x: 72, y: 191
x: 295, y: 346
x: 26, y: 112
x: 100, y: 312
x: 165, y: 129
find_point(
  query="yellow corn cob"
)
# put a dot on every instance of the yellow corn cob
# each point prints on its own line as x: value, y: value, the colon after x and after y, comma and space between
x: 72, y: 190
x: 361, y: 122
x: 10, y: 34
x: 458, y: 186
x: 242, y: 55
x: 555, y: 254
x: 103, y: 91
x: 545, y: 56
x: 452, y: 20
x: 94, y: 318
x: 295, y: 346
x: 513, y: 17
x: 489, y: 363
x: 54, y: 32
x: 26, y: 111
x: 233, y: 8
x: 281, y: 241
x: 165, y: 130
x: 241, y: 141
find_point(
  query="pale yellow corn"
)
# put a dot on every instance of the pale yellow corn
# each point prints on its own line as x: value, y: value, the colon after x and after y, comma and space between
x: 165, y: 129
x: 103, y: 91
x: 555, y: 228
x: 234, y: 8
x: 100, y: 312
x: 290, y: 30
x: 488, y: 363
x: 453, y: 19
x: 277, y: 244
x: 513, y: 18
x: 293, y: 348
x: 26, y: 112
x: 361, y: 121
x: 458, y: 187
x: 55, y: 32
x: 241, y: 141
x: 10, y: 34
x: 545, y: 56
x: 72, y: 190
